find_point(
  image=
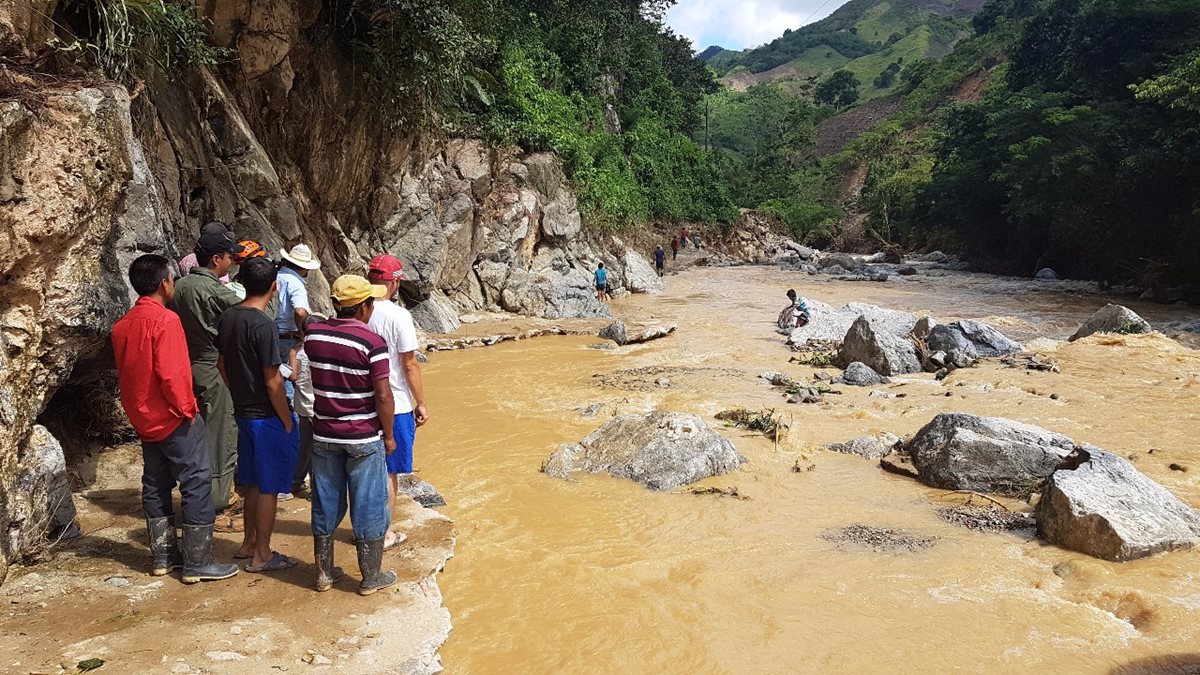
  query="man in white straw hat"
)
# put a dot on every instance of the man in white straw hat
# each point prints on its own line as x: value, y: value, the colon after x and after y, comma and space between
x: 293, y: 295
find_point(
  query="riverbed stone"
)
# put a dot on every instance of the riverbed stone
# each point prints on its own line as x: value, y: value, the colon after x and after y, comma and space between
x: 971, y: 340
x: 1097, y: 503
x: 1112, y: 319
x: 845, y: 261
x: 829, y: 324
x: 437, y: 314
x: 1046, y: 274
x: 615, y: 331
x: 859, y: 374
x: 886, y: 354
x: 640, y: 276
x: 960, y: 451
x: 877, y: 446
x: 661, y: 450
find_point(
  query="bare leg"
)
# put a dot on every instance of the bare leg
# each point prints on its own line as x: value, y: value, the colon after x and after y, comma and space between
x: 264, y: 524
x: 393, y: 480
x: 248, y: 518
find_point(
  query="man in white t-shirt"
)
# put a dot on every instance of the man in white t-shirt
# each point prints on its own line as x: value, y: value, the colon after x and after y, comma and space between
x: 394, y: 324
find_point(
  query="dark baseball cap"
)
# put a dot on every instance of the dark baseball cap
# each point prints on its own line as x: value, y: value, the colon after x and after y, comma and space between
x: 213, y: 243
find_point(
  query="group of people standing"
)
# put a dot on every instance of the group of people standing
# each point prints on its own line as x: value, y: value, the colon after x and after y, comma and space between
x: 235, y: 381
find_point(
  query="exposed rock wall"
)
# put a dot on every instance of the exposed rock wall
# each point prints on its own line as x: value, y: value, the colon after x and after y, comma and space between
x: 279, y: 144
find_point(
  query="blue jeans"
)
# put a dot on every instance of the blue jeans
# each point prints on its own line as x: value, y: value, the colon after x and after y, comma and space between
x: 355, y: 471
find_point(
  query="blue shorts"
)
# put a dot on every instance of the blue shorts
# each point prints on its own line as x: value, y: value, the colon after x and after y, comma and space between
x: 404, y: 427
x: 267, y: 455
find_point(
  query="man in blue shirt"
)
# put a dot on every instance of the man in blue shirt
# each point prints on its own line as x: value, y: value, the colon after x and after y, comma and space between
x: 293, y: 296
x: 660, y: 259
x: 601, y: 283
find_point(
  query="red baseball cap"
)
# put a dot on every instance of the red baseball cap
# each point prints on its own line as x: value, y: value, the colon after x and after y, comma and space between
x: 385, y: 268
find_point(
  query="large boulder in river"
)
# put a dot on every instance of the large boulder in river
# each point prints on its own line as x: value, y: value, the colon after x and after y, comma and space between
x: 959, y: 451
x: 662, y: 451
x: 1112, y: 319
x: 829, y: 324
x: 1099, y: 504
x: 640, y: 276
x: 884, y: 353
x: 971, y: 339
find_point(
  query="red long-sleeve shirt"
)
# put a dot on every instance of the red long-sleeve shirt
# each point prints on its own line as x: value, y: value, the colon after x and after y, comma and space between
x: 154, y: 370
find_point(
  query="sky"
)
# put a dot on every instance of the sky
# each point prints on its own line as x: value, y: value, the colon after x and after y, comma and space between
x: 738, y: 24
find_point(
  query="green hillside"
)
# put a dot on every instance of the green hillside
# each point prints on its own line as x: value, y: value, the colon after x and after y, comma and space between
x: 863, y: 36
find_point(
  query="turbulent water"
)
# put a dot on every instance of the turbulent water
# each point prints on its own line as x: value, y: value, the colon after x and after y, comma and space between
x: 601, y: 575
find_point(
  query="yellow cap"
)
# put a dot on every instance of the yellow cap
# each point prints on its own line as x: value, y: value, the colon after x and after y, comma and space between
x: 350, y: 290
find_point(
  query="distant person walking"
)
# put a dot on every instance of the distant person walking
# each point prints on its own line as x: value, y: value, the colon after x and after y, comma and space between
x: 674, y: 248
x: 268, y: 433
x: 601, y: 283
x: 696, y: 240
x: 394, y: 324
x: 660, y: 260
x: 155, y: 379
x: 683, y: 237
x: 199, y: 300
x: 352, y: 433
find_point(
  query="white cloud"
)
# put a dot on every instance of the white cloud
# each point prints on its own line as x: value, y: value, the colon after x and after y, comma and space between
x: 738, y: 24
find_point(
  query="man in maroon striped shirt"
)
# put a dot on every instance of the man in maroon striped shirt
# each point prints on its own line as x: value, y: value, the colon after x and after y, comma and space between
x: 352, y: 432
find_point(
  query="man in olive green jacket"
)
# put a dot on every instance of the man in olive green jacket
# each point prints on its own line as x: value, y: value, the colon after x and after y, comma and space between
x: 199, y: 300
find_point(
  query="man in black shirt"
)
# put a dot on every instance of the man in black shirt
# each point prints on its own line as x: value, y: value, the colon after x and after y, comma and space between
x: 268, y: 432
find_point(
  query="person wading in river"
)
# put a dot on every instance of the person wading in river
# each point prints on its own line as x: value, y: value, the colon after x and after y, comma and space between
x: 601, y: 283
x: 395, y: 325
x: 156, y: 392
x: 268, y: 433
x: 199, y: 300
x: 352, y: 432
x: 660, y: 260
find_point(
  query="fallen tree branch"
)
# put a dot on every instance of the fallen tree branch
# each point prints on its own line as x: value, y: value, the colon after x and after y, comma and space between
x: 972, y: 493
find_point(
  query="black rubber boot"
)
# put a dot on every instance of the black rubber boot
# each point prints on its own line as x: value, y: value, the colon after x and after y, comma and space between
x: 198, y: 564
x: 370, y: 559
x: 164, y: 546
x: 327, y: 574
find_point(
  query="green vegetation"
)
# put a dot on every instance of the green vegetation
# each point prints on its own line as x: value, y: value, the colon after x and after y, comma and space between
x: 131, y: 39
x: 838, y: 90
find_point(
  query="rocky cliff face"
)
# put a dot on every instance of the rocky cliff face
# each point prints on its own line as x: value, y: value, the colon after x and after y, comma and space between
x: 279, y: 146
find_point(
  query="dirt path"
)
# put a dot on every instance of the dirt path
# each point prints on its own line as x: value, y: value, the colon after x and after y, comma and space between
x: 95, y: 600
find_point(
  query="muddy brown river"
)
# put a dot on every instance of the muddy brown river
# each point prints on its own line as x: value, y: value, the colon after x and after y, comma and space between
x: 601, y: 575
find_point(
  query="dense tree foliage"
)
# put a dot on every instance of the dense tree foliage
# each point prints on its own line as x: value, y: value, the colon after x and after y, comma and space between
x: 603, y: 83
x: 1084, y: 158
x: 839, y: 89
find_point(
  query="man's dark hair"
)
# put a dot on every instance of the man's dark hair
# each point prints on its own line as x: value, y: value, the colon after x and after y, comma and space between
x: 791, y: 294
x: 257, y: 275
x: 349, y: 312
x: 601, y: 266
x: 148, y: 272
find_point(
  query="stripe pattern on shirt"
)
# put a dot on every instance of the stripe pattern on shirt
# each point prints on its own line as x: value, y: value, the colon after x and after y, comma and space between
x: 346, y: 359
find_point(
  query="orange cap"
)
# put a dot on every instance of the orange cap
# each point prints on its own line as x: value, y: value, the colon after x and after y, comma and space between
x: 252, y: 249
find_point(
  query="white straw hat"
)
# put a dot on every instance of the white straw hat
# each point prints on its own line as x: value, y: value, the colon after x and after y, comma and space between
x: 302, y: 256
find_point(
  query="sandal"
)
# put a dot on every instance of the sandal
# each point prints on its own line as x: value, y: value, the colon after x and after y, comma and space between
x: 277, y: 563
x: 398, y: 538
x: 241, y: 556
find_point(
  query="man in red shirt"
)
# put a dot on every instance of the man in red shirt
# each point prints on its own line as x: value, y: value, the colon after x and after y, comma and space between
x: 156, y: 391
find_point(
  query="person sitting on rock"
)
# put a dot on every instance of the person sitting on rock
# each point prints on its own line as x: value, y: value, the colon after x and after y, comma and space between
x: 353, y: 432
x: 156, y: 392
x: 395, y: 325
x: 660, y: 260
x: 601, y: 283
x: 268, y: 431
x: 796, y: 314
